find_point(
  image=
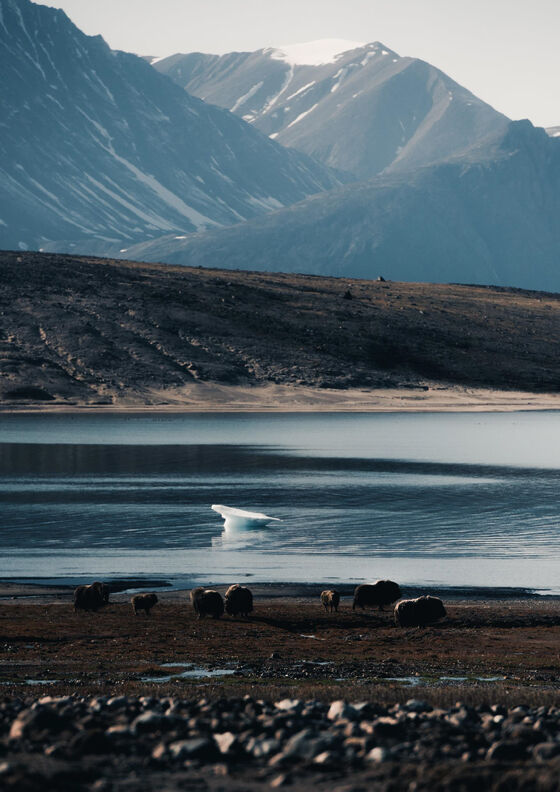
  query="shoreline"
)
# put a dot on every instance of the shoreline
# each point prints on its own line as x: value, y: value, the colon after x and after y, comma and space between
x: 213, y: 398
x: 62, y: 589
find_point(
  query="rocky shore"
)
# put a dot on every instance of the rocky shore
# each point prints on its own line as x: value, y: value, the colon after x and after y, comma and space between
x: 292, y: 696
x: 127, y: 742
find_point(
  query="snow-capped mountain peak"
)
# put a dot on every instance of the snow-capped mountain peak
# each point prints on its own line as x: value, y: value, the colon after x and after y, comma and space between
x: 360, y: 108
x: 313, y: 53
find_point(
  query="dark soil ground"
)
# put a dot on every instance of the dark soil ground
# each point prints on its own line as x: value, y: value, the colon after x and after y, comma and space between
x: 288, y: 648
x: 96, y: 331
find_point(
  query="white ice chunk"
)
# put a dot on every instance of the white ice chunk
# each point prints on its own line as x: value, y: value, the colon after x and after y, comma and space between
x: 240, y: 520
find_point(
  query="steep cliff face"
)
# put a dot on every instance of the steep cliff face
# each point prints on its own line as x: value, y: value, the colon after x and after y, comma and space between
x: 99, y: 149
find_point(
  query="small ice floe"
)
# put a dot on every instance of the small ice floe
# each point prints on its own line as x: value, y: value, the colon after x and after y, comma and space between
x: 241, y: 520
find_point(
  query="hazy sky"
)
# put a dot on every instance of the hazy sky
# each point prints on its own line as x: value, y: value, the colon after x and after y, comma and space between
x: 507, y: 52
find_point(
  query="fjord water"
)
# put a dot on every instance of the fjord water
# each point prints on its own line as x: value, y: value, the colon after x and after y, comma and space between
x: 456, y: 499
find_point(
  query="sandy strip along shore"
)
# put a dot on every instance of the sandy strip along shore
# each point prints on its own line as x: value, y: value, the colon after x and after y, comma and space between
x: 208, y: 397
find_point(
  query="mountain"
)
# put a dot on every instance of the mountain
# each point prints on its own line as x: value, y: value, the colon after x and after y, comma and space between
x: 96, y: 331
x: 553, y: 131
x: 358, y: 108
x: 488, y: 218
x: 99, y: 149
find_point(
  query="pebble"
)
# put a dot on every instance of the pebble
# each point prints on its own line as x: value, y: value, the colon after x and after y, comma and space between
x: 281, y: 736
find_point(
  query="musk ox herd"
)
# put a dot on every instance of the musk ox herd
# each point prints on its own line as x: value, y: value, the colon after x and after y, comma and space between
x: 238, y: 601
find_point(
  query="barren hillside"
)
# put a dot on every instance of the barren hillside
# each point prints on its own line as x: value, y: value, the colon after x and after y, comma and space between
x: 76, y: 329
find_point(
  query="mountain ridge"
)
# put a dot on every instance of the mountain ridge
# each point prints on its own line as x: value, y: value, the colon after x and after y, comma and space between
x: 97, y: 145
x: 364, y: 111
x: 489, y: 219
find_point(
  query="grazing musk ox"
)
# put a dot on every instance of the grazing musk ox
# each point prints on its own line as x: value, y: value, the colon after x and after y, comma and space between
x: 143, y: 602
x: 419, y: 612
x: 207, y: 602
x: 239, y: 600
x: 330, y: 599
x: 90, y: 597
x: 378, y: 594
x: 105, y: 591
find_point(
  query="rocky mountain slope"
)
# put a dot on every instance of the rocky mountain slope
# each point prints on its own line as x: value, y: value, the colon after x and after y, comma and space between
x: 93, y: 331
x: 99, y: 150
x: 491, y: 218
x: 360, y: 108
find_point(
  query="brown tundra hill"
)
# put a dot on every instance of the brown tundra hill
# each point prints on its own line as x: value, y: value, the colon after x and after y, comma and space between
x: 76, y: 329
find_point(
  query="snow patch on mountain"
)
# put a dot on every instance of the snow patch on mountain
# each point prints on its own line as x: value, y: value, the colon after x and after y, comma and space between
x: 302, y: 115
x: 242, y: 99
x: 313, y: 53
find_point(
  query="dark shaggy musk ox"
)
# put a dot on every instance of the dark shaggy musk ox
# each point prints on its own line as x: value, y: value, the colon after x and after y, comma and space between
x: 419, y: 612
x: 239, y: 600
x: 330, y: 599
x: 90, y: 597
x: 207, y: 602
x: 378, y: 594
x: 143, y: 602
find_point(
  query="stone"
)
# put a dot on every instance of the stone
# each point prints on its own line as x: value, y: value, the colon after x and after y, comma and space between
x: 280, y: 780
x: 526, y: 734
x: 197, y: 747
x: 94, y: 741
x: 325, y: 759
x: 378, y: 754
x: 289, y: 705
x: 160, y: 752
x: 506, y: 751
x: 341, y: 709
x: 38, y: 719
x: 227, y: 742
x: 417, y: 705
x: 149, y: 722
x: 546, y: 750
x: 388, y: 727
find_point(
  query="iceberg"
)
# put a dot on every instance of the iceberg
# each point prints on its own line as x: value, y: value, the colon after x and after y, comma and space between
x: 241, y: 520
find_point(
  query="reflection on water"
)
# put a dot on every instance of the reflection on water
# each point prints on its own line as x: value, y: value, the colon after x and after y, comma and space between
x: 431, y: 498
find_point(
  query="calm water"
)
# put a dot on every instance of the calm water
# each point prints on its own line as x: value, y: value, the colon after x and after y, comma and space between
x: 449, y: 499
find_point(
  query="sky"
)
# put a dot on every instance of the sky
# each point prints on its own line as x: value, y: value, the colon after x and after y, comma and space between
x: 505, y: 51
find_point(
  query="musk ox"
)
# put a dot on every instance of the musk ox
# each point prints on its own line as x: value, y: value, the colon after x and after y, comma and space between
x: 143, y: 602
x: 419, y: 612
x: 239, y: 600
x: 207, y: 602
x: 104, y: 589
x: 378, y: 594
x: 90, y: 597
x: 330, y: 600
